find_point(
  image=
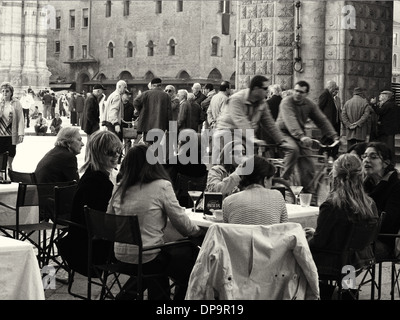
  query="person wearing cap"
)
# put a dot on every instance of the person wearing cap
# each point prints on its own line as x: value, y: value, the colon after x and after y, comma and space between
x: 114, y: 109
x: 91, y: 110
x: 12, y: 126
x: 154, y: 109
x: 294, y: 112
x: 196, y: 89
x: 355, y: 116
x: 387, y: 125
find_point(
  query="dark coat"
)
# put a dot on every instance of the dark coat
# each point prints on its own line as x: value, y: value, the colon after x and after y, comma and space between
x: 332, y: 225
x: 190, y: 116
x: 94, y: 190
x: 154, y: 108
x: 128, y: 113
x: 80, y: 103
x: 386, y: 195
x: 327, y: 105
x: 200, y: 97
x: 57, y: 165
x: 273, y: 104
x: 387, y: 118
x: 91, y: 117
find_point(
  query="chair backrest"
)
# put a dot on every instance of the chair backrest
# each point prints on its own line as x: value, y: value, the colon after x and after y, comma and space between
x: 114, y: 228
x: 362, y: 235
x: 63, y: 201
x: 24, y: 177
x: 39, y: 194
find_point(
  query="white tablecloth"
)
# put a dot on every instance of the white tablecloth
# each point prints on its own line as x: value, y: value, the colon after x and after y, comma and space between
x: 20, y: 277
x: 296, y: 213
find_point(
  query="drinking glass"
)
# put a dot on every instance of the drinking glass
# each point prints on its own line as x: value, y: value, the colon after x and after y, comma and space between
x: 296, y: 190
x: 195, y: 195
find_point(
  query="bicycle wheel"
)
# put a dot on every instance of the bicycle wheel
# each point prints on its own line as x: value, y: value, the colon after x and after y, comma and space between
x: 322, y: 189
x: 279, y: 183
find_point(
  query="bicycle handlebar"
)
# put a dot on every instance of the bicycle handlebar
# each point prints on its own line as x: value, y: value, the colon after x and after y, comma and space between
x: 334, y: 144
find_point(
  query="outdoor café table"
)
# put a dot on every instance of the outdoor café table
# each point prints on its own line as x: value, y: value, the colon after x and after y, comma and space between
x: 306, y: 216
x: 20, y: 277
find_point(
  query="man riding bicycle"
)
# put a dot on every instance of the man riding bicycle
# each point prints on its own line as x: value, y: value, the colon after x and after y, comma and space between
x: 293, y: 114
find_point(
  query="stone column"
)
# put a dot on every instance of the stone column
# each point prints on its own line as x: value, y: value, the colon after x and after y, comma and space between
x: 312, y: 32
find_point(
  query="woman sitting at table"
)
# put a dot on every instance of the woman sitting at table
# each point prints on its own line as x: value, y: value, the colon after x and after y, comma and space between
x: 382, y: 183
x: 94, y: 190
x: 224, y: 176
x: 347, y: 203
x: 257, y: 203
x: 145, y: 190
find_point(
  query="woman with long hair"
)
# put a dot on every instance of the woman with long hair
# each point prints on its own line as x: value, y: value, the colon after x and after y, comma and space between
x: 145, y: 190
x: 346, y: 204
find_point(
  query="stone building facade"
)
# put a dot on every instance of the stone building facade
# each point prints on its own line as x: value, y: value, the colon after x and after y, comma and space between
x: 180, y: 41
x: 346, y: 41
x: 23, y: 44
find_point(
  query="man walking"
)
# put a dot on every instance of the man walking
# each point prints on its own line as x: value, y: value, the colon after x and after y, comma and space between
x: 355, y: 116
x: 113, y: 113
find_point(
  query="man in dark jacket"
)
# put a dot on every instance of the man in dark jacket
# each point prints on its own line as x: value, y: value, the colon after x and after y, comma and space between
x: 387, y: 125
x: 80, y: 104
x: 327, y: 104
x: 91, y: 118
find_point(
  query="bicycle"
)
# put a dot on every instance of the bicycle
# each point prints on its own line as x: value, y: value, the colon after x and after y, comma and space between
x: 320, y: 183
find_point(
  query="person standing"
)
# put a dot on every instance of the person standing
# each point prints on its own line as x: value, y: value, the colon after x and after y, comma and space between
x: 114, y: 109
x: 127, y: 119
x: 91, y: 117
x: 209, y: 91
x: 174, y: 101
x: 26, y: 103
x: 328, y: 106
x: 46, y: 100
x: 53, y: 106
x: 355, y: 116
x: 79, y: 103
x: 274, y: 100
x: 12, y: 125
x: 199, y: 96
x: 387, y: 125
x: 154, y: 109
x: 216, y: 104
x: 72, y: 109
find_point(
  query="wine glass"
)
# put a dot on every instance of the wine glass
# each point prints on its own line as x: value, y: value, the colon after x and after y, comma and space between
x: 195, y: 195
x: 296, y: 190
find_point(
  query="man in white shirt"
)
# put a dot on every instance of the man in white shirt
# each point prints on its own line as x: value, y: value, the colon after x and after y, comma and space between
x: 217, y: 102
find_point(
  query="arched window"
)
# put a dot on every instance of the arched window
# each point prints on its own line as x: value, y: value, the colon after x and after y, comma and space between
x: 150, y: 49
x: 101, y: 77
x: 394, y: 61
x: 215, y: 74
x: 110, y: 50
x: 129, y: 50
x: 171, y: 45
x: 149, y: 75
x: 183, y: 75
x: 214, y: 46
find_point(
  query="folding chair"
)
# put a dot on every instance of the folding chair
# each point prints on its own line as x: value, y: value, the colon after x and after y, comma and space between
x: 122, y: 229
x: 36, y: 202
x: 24, y: 177
x: 3, y: 164
x: 362, y: 236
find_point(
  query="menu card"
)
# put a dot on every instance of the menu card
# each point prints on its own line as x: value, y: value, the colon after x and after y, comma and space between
x: 212, y: 200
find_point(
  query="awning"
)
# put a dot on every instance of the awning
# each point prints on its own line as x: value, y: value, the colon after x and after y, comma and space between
x: 60, y: 86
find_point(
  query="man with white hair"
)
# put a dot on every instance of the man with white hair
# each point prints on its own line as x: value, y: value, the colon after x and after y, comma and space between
x: 114, y: 109
x: 199, y: 96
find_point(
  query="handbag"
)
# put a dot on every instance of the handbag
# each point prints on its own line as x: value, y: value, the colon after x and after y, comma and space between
x: 129, y: 133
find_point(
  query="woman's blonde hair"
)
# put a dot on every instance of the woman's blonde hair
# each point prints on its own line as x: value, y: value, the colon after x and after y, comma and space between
x: 100, y: 146
x: 347, y: 190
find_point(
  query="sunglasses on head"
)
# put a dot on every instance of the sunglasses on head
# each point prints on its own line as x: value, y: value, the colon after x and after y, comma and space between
x: 114, y: 153
x: 168, y: 91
